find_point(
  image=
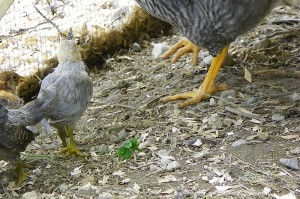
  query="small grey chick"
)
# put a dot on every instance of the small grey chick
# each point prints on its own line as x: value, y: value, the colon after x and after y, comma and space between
x: 67, y: 91
x: 65, y: 94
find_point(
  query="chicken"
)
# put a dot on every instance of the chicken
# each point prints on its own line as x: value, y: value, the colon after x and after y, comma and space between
x: 15, y: 137
x: 64, y: 95
x: 211, y: 24
x: 9, y: 81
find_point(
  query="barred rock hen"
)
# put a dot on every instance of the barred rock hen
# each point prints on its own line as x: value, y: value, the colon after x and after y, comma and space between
x: 211, y: 24
x: 15, y: 137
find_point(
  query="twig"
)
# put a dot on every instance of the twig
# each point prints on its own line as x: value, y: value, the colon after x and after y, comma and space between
x: 48, y: 20
x: 245, y: 114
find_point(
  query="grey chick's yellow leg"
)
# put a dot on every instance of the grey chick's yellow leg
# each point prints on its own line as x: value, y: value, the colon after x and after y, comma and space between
x: 62, y: 133
x: 208, y: 87
x: 21, y: 175
x: 182, y: 47
x: 71, y: 149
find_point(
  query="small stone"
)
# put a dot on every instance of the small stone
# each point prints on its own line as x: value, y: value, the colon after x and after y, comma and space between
x: 153, y: 167
x: 214, y: 121
x: 277, y: 117
x: 212, y: 101
x: 251, y: 101
x: 30, y: 195
x: 136, y: 47
x: 122, y: 135
x: 88, y: 179
x: 238, y: 143
x: 114, y: 139
x: 173, y: 166
x: 102, y: 148
x: 228, y: 93
x: 105, y: 195
x: 296, y: 151
x: 295, y: 97
x: 207, y: 60
x: 263, y: 136
x: 159, y: 49
x: 63, y: 188
x: 266, y: 191
x: 290, y: 163
x: 228, y: 122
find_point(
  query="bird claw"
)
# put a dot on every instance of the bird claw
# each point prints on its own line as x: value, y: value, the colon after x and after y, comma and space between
x: 182, y: 47
x: 195, y: 96
x: 71, y: 150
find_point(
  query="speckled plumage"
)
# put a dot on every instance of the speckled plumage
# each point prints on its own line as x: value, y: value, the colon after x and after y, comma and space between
x: 14, y: 135
x: 211, y: 24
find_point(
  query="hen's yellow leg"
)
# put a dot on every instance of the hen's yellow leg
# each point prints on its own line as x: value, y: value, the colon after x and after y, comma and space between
x: 21, y: 175
x: 207, y: 88
x: 71, y: 149
x: 184, y: 46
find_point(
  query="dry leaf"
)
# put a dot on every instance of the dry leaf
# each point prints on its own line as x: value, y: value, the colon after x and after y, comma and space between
x: 288, y: 137
x: 168, y: 178
x: 248, y: 75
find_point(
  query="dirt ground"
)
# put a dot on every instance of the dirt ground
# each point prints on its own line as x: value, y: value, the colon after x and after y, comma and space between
x: 230, y: 146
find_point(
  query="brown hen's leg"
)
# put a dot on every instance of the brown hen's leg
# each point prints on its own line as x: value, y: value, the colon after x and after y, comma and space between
x: 71, y: 149
x: 184, y: 46
x: 208, y: 87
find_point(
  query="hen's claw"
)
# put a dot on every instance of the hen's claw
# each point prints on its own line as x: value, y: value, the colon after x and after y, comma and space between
x: 182, y: 47
x: 71, y: 150
x: 195, y: 95
x: 208, y: 87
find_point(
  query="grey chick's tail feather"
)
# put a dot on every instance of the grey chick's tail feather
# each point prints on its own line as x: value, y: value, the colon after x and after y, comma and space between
x: 28, y: 115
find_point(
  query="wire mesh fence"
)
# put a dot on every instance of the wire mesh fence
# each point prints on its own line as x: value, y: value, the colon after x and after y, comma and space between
x: 29, y: 29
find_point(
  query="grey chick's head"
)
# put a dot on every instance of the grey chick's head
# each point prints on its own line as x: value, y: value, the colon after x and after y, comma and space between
x: 68, y: 52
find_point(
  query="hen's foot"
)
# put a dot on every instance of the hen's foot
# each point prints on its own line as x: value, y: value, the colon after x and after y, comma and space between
x: 72, y: 150
x: 182, y: 47
x: 195, y: 95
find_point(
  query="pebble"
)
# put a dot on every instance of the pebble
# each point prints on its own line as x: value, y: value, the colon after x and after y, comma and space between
x: 212, y: 102
x: 30, y: 195
x: 290, y: 163
x: 228, y: 93
x: 295, y: 97
x: 296, y: 151
x: 173, y: 166
x: 266, y: 191
x: 238, y: 143
x: 215, y: 121
x: 207, y: 60
x: 277, y: 117
x: 251, y: 101
x: 136, y: 47
x: 105, y: 195
x: 263, y: 136
x: 159, y: 49
x: 114, y: 139
x: 63, y: 188
x: 122, y: 135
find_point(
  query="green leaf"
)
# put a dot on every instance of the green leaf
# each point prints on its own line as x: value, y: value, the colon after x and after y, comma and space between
x: 124, y: 153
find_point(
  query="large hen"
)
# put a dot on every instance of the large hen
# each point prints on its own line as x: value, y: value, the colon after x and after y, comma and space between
x: 211, y: 24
